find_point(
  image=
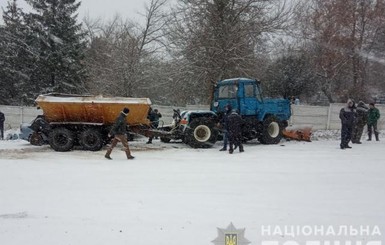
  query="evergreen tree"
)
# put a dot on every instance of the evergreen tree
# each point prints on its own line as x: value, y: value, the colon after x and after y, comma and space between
x: 61, y: 46
x: 291, y: 75
x: 16, y: 57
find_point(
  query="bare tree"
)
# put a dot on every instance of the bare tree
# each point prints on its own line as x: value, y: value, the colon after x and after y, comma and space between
x: 342, y: 35
x: 119, y: 49
x: 218, y: 39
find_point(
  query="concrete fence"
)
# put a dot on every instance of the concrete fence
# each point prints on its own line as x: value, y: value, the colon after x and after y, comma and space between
x: 15, y: 115
x: 324, y: 117
x: 318, y: 117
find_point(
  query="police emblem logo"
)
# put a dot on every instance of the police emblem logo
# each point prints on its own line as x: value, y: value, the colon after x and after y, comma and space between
x: 231, y: 239
x: 231, y: 236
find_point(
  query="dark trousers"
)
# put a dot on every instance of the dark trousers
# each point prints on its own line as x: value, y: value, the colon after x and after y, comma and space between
x: 235, y: 140
x: 2, y: 130
x: 346, y: 134
x: 372, y: 128
x: 153, y: 126
x: 357, y: 133
x: 225, y: 140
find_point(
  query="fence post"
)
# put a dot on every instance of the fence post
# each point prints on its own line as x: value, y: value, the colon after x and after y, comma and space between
x: 22, y: 114
x: 329, y: 117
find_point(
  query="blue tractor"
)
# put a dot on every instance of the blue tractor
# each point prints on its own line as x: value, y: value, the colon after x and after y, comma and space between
x: 265, y: 119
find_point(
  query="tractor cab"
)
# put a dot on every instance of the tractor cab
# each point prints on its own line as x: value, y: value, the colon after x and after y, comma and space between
x: 243, y: 94
x: 264, y: 118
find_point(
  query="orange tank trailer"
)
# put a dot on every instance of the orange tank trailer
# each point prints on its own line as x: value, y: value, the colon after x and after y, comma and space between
x: 101, y: 110
x: 86, y: 120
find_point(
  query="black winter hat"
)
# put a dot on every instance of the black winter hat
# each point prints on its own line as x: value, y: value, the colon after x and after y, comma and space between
x: 126, y: 110
x: 361, y: 104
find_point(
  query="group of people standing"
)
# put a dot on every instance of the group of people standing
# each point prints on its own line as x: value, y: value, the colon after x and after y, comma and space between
x: 353, y: 120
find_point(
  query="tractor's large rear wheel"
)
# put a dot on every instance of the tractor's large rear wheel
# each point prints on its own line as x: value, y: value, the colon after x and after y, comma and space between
x: 271, y: 131
x: 61, y: 139
x: 201, y: 133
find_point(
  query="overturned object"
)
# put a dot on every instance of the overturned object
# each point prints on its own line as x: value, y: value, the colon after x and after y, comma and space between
x: 301, y: 134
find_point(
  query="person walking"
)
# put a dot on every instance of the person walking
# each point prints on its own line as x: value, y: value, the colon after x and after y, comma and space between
x: 347, y: 116
x: 228, y: 108
x: 373, y: 116
x: 234, y: 128
x: 153, y: 116
x: 2, y: 119
x: 361, y: 121
x: 119, y: 133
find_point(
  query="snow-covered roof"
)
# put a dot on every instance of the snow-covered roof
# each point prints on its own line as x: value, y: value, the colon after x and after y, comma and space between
x: 231, y: 80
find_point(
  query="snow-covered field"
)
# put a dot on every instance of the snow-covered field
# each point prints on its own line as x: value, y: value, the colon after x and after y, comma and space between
x: 171, y: 194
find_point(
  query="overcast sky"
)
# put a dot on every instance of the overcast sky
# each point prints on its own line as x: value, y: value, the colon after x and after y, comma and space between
x: 108, y: 8
x: 103, y: 8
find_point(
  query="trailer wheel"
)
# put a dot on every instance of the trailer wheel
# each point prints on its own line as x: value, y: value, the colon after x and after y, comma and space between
x: 201, y: 133
x: 271, y: 131
x: 91, y: 139
x: 61, y: 139
x: 36, y: 139
x: 165, y: 140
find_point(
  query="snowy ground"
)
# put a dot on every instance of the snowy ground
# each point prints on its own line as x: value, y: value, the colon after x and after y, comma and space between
x: 171, y: 194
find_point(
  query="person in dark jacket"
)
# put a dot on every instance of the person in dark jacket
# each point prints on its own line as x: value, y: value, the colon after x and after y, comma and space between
x: 373, y: 116
x: 119, y: 133
x: 153, y: 116
x: 2, y: 119
x: 348, y: 117
x: 234, y: 128
x: 228, y: 109
x: 361, y: 121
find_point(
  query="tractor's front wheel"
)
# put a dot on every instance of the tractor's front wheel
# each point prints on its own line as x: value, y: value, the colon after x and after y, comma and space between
x: 201, y: 133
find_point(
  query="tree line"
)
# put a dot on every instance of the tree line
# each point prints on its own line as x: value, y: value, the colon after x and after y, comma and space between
x: 317, y: 50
